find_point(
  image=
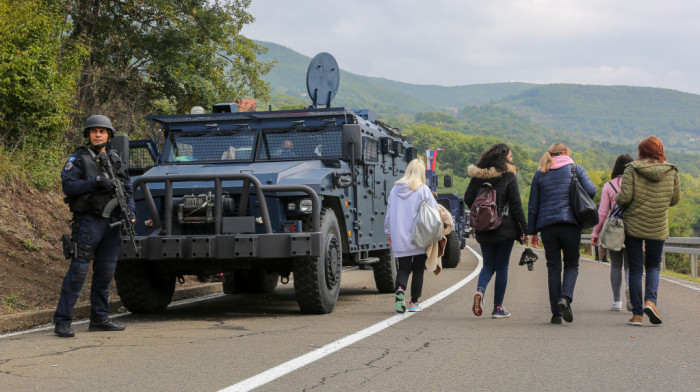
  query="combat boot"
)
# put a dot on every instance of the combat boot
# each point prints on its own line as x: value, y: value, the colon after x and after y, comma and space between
x: 63, y: 330
x: 108, y: 325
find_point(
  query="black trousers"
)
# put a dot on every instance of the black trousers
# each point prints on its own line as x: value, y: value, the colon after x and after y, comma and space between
x: 408, y: 264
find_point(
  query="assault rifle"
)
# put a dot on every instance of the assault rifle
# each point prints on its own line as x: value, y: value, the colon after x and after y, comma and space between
x: 119, y: 199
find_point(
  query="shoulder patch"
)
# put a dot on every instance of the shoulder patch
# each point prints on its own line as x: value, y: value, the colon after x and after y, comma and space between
x: 69, y: 165
x: 71, y: 159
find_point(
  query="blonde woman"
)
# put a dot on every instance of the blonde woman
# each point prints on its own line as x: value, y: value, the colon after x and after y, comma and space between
x: 402, y: 209
x: 550, y: 213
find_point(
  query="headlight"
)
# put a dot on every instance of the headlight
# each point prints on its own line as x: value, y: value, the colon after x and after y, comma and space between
x: 291, y: 206
x: 305, y: 206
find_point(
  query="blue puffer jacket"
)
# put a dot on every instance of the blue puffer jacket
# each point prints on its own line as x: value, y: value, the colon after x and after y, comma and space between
x: 550, y: 197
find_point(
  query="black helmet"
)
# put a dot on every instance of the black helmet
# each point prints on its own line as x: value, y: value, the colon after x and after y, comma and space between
x: 98, y: 121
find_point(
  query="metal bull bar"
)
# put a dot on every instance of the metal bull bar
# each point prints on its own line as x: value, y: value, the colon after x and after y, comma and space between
x: 303, y: 244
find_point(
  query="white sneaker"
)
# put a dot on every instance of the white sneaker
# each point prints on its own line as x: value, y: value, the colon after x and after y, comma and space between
x: 616, y: 306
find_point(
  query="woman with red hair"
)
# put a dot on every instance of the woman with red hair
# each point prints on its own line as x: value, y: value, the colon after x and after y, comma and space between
x: 650, y: 185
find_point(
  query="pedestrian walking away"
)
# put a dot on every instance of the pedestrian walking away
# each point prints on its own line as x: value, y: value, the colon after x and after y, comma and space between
x: 650, y: 185
x: 89, y: 187
x: 618, y: 259
x: 402, y: 208
x: 551, y: 214
x: 495, y: 169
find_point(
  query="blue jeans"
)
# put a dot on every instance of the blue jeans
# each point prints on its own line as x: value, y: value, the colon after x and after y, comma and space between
x: 496, y: 259
x: 640, y: 260
x: 557, y: 239
x: 106, y: 243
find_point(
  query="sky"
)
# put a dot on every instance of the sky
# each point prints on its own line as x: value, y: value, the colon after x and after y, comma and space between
x: 651, y: 43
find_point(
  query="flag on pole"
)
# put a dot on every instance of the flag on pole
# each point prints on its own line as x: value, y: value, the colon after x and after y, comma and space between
x: 431, y: 156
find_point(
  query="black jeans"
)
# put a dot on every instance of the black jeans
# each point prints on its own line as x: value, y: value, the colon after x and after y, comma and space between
x: 408, y: 264
x: 557, y: 239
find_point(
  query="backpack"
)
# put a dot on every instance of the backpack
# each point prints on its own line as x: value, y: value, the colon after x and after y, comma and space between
x: 484, y: 212
x: 427, y: 227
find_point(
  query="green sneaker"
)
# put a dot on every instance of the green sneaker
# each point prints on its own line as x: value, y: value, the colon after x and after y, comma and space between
x: 400, y: 305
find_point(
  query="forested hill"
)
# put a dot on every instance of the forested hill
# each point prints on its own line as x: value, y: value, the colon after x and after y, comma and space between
x: 615, y: 115
x: 384, y: 96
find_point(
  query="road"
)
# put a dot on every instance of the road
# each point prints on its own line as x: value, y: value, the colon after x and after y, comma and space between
x: 239, y: 342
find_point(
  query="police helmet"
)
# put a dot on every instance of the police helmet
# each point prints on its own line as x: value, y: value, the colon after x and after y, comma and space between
x: 98, y: 121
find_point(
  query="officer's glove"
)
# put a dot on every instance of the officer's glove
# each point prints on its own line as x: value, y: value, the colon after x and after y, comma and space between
x: 104, y: 183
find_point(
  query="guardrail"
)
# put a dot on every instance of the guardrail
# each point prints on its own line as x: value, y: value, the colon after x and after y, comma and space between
x: 682, y: 245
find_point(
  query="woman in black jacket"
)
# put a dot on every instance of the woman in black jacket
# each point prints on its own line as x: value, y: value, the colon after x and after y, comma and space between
x: 495, y: 167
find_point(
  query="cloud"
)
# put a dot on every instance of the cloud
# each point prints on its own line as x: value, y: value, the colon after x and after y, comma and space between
x: 447, y: 42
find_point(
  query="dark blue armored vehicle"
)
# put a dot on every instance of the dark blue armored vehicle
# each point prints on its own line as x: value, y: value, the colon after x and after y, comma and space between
x: 259, y: 195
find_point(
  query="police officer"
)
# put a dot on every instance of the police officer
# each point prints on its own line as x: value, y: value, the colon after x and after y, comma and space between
x: 88, y: 188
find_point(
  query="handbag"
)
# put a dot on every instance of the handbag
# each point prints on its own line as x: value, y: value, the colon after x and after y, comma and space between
x: 613, y: 235
x: 584, y: 209
x: 427, y: 227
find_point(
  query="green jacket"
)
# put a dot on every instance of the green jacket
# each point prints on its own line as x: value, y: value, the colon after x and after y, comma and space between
x: 647, y: 190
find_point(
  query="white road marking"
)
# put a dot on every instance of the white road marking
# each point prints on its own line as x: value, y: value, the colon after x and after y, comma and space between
x: 299, y: 362
x: 114, y: 316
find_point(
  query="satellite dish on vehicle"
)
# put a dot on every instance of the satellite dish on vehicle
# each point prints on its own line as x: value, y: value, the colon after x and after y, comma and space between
x: 322, y: 79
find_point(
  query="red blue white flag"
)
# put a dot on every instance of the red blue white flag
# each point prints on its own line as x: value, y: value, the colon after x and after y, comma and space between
x: 431, y: 156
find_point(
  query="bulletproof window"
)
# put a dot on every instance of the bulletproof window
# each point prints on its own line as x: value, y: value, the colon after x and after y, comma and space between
x: 140, y: 157
x: 370, y: 150
x: 301, y: 143
x: 212, y: 146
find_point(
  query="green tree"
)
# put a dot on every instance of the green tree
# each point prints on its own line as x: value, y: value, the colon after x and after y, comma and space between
x: 164, y: 55
x: 37, y: 73
x: 38, y: 69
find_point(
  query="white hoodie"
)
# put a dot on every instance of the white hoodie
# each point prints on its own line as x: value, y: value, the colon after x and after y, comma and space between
x: 401, y: 211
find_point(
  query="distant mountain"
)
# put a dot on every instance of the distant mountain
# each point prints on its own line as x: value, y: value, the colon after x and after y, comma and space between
x: 382, y: 95
x: 617, y: 114
x: 614, y: 115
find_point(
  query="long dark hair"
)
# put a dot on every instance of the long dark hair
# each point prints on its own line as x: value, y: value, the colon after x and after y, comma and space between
x: 620, y: 162
x: 495, y: 157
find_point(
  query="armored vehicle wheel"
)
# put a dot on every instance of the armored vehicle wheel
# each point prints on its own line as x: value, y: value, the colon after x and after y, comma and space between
x: 141, y: 289
x: 452, y: 251
x: 384, y: 271
x: 317, y: 279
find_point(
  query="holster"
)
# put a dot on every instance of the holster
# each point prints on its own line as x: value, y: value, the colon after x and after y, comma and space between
x: 75, y: 250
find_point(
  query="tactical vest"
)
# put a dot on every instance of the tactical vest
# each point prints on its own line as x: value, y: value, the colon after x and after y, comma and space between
x: 94, y: 202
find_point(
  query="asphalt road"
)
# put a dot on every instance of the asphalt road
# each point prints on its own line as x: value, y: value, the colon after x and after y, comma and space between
x: 239, y: 342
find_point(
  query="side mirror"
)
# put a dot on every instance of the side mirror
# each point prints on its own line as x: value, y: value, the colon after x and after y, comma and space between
x: 448, y: 181
x: 352, y: 142
x: 121, y: 144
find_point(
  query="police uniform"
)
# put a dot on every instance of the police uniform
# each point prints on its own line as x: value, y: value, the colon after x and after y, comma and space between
x: 92, y: 234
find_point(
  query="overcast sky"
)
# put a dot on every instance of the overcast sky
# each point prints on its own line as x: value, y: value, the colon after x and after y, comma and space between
x: 652, y: 43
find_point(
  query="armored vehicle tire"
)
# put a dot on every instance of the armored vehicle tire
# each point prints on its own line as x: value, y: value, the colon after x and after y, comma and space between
x: 384, y: 271
x: 141, y: 289
x: 317, y: 279
x: 452, y: 251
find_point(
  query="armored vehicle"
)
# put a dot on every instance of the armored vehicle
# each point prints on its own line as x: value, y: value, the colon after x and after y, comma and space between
x: 263, y: 195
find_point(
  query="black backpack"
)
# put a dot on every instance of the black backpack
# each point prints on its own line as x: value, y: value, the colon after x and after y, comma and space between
x: 484, y: 212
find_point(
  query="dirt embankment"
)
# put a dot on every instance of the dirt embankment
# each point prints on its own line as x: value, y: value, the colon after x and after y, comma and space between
x: 31, y: 257
x: 32, y: 265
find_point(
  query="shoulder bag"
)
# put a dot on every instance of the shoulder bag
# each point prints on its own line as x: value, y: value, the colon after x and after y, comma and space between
x: 427, y: 227
x: 613, y: 235
x: 584, y: 209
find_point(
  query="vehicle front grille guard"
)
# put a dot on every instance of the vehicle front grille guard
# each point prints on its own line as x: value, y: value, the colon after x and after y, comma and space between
x: 247, y: 179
